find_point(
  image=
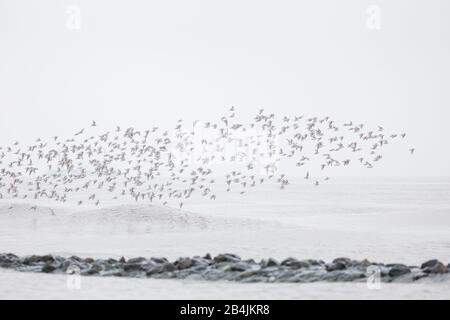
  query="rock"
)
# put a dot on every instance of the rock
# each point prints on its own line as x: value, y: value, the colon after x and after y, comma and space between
x: 294, y: 263
x: 398, y: 270
x: 168, y: 267
x: 284, y: 275
x: 35, y: 259
x: 94, y: 269
x: 59, y: 259
x: 247, y: 274
x: 197, y: 261
x: 207, y: 257
x: 158, y: 260
x: 272, y: 262
x: 155, y: 270
x: 8, y: 258
x: 184, y: 263
x: 128, y: 267
x: 30, y: 260
x: 345, y: 261
x: 429, y: 263
x: 344, y: 275
x: 363, y: 263
x: 239, y: 266
x: 225, y: 267
x: 419, y: 275
x: 339, y: 264
x: 335, y: 266
x: 227, y: 257
x: 161, y: 268
x: 47, y: 258
x: 75, y: 258
x: 48, y: 268
x: 314, y: 262
x: 434, y: 266
x: 384, y: 270
x: 309, y: 275
x: 137, y: 260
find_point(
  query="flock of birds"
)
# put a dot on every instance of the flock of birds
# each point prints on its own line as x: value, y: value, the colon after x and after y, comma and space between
x: 157, y: 166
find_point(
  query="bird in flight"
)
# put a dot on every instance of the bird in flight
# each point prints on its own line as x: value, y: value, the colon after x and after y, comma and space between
x: 164, y: 165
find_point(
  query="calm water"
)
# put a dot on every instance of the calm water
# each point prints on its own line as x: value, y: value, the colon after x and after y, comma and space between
x: 388, y: 221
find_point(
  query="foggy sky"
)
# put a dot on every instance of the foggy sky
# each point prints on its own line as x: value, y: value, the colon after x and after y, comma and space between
x: 146, y: 63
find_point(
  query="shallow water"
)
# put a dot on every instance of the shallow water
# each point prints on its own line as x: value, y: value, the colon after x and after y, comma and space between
x: 17, y: 285
x: 386, y: 221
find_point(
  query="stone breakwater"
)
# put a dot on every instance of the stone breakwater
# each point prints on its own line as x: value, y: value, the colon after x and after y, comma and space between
x: 228, y: 267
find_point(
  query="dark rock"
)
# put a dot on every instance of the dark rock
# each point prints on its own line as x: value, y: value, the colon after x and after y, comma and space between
x: 247, y: 274
x: 339, y: 264
x: 419, y: 275
x: 225, y: 267
x: 168, y: 267
x: 145, y: 267
x: 239, y: 266
x: 429, y: 263
x: 93, y: 269
x: 59, y: 259
x: 345, y: 261
x: 47, y: 258
x: 158, y: 260
x: 227, y: 257
x: 35, y: 259
x: 384, y: 270
x: 75, y: 258
x: 184, y: 263
x: 48, y: 268
x: 344, y: 275
x: 161, y: 268
x: 308, y: 275
x: 314, y: 262
x: 361, y: 264
x: 30, y: 260
x: 100, y: 262
x: 300, y: 264
x: 434, y: 266
x: 207, y: 257
x: 8, y: 258
x: 128, y: 267
x: 398, y: 270
x: 65, y: 265
x: 197, y: 261
x: 137, y: 260
x: 272, y: 262
x: 335, y: 266
x: 294, y: 263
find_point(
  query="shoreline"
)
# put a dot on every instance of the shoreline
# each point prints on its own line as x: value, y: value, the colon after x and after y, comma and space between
x: 230, y: 267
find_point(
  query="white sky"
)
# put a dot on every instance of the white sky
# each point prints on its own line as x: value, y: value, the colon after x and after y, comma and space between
x: 146, y: 63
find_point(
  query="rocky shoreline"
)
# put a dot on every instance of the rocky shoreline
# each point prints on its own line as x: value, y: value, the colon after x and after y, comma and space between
x: 228, y: 267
